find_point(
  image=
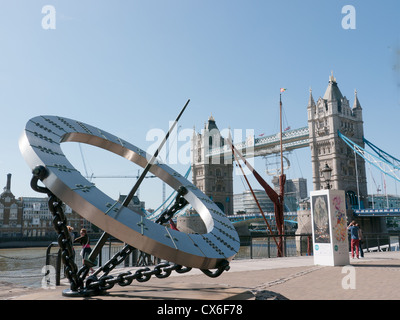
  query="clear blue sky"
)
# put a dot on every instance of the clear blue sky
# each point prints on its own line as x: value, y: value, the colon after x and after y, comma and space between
x: 129, y: 66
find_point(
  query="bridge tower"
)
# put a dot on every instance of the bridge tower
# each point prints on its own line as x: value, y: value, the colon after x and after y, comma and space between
x: 331, y: 113
x: 212, y: 175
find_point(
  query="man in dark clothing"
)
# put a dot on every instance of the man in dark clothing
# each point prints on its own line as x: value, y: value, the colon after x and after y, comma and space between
x: 355, y: 241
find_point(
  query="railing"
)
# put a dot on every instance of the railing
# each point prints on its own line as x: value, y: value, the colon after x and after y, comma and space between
x: 54, y: 259
x: 136, y: 258
x: 373, y: 242
x: 263, y: 246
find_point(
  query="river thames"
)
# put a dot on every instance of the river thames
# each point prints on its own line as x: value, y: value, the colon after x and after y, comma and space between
x: 26, y: 266
x: 22, y: 266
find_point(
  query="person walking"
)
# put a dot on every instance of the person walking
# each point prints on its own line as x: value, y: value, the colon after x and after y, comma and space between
x: 355, y: 241
x: 85, y: 242
x: 72, y: 236
x: 71, y: 233
x: 360, y: 240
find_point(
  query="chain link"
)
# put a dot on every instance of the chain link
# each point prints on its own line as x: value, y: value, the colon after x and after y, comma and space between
x: 180, y: 202
x: 162, y: 270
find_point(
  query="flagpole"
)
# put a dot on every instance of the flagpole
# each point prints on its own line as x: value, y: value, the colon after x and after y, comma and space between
x: 280, y: 118
x: 281, y: 179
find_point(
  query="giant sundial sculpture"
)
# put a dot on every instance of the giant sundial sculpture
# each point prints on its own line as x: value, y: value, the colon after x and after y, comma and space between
x: 40, y: 145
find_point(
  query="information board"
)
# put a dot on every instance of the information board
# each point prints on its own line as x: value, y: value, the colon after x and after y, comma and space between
x: 329, y: 228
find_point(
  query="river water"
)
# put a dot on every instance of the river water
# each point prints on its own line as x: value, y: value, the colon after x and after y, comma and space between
x: 22, y: 266
x: 27, y: 266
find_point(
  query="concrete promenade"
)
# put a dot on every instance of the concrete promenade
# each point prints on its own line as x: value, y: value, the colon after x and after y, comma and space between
x: 374, y: 277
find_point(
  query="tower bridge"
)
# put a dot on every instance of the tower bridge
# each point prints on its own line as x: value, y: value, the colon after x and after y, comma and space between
x: 332, y: 123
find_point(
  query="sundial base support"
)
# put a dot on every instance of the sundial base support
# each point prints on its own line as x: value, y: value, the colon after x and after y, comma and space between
x: 83, y: 293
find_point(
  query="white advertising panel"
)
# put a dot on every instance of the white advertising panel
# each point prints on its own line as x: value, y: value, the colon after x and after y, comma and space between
x: 329, y: 228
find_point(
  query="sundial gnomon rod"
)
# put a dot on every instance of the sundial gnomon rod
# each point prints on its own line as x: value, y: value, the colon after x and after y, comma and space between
x: 104, y: 237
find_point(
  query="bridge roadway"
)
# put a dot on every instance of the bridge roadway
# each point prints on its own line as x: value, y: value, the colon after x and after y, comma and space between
x: 291, y: 216
x: 389, y: 212
x: 254, y: 147
x: 376, y: 277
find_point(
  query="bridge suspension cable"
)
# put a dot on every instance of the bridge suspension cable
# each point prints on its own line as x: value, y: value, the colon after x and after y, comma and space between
x: 379, y: 162
x: 155, y: 214
x: 383, y: 155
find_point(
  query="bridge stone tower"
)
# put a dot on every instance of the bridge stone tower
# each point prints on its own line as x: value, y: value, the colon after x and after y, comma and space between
x: 331, y: 113
x: 212, y: 175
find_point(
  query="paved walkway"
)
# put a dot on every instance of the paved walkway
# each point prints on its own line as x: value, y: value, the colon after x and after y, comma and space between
x: 374, y: 277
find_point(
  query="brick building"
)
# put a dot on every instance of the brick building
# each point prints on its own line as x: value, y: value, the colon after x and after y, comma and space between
x: 10, y: 212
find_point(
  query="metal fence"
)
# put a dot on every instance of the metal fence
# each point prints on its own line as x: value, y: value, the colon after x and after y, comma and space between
x: 136, y: 258
x: 264, y: 246
x: 380, y: 242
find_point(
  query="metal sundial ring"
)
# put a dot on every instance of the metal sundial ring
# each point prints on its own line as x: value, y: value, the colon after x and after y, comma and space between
x: 40, y: 146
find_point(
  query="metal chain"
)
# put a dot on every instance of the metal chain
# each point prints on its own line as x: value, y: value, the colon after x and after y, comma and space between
x: 60, y: 225
x: 106, y: 282
x: 118, y: 258
x: 180, y: 202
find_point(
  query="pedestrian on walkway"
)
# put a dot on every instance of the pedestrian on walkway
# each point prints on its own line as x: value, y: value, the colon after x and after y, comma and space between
x: 71, y: 233
x: 354, y: 239
x: 72, y: 236
x: 85, y: 242
x: 360, y: 240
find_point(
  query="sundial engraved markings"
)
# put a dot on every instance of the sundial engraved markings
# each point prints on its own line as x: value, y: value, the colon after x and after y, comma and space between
x: 121, y: 142
x: 195, y: 244
x: 112, y: 207
x: 40, y: 126
x: 54, y: 124
x: 142, y: 226
x: 48, y: 151
x: 83, y: 188
x: 43, y: 137
x: 84, y: 127
x: 222, y: 240
x: 101, y: 133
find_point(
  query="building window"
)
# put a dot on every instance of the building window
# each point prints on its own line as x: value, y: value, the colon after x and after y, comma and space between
x: 352, y: 198
x: 13, y: 212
